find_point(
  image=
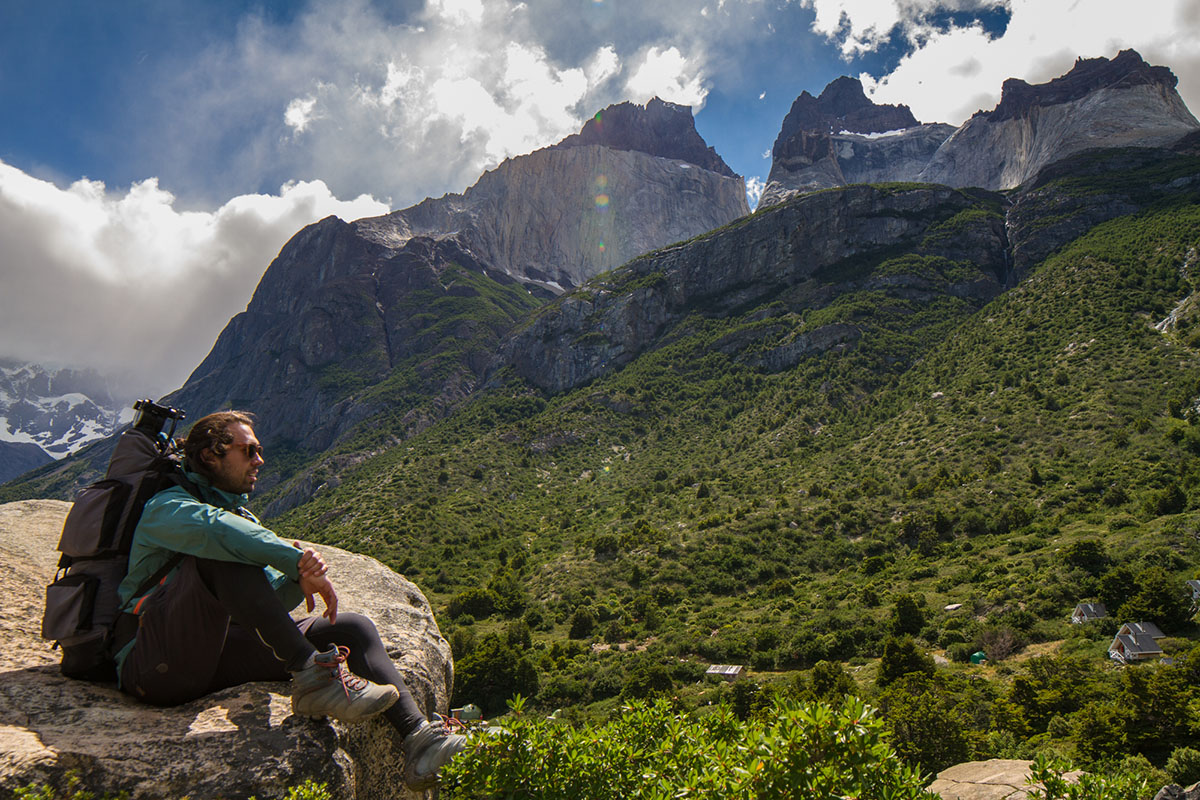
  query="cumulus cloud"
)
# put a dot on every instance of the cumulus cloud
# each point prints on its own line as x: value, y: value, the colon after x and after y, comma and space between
x: 127, y: 283
x: 417, y: 107
x: 951, y: 72
x: 670, y: 75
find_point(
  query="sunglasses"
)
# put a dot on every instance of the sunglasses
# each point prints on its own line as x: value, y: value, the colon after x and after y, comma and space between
x: 252, y: 450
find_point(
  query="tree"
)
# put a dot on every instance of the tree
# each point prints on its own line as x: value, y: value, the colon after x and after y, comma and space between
x: 1117, y: 586
x: 1159, y: 599
x: 901, y: 657
x: 583, y: 622
x: 1100, y: 731
x: 907, y: 616
x: 927, y: 728
x: 476, y: 601
x: 829, y: 682
x: 492, y: 674
x: 1086, y: 554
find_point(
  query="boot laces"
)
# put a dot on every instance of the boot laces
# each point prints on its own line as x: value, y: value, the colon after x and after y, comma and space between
x: 350, y: 682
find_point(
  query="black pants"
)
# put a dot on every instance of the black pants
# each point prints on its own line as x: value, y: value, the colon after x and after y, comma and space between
x: 220, y: 624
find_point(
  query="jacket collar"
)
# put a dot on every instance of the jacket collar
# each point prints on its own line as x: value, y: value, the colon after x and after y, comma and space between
x: 215, y: 496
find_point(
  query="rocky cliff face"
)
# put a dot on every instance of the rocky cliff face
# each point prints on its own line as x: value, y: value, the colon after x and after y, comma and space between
x: 400, y: 314
x: 846, y: 139
x: 635, y: 178
x: 1121, y: 102
x: 606, y: 324
x: 810, y: 161
x: 336, y: 315
x: 841, y: 138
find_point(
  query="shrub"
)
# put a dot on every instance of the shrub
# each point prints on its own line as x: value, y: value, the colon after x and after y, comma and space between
x: 654, y: 752
x: 492, y: 674
x: 1090, y: 787
x: 476, y: 601
x: 583, y: 622
x: 1184, y: 766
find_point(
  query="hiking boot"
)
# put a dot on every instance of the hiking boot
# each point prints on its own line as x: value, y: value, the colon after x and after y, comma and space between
x: 428, y: 749
x: 328, y: 689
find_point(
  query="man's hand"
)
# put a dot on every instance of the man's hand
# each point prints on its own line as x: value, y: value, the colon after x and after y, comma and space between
x: 312, y: 569
x: 310, y: 564
x: 320, y: 584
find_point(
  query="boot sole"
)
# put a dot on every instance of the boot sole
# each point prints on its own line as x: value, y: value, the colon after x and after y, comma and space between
x: 386, y: 702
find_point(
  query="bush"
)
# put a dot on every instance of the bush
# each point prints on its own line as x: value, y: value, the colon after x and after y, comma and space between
x: 492, y: 674
x: 960, y: 652
x: 1090, y: 787
x: 583, y: 622
x: 1184, y: 766
x: 476, y: 601
x: 654, y: 752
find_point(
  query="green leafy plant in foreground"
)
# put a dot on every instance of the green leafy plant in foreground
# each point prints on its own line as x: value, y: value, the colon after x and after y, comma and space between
x: 653, y: 751
x: 1053, y: 786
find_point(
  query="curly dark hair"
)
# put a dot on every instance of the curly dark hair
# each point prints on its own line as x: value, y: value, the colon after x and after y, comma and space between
x: 212, y: 433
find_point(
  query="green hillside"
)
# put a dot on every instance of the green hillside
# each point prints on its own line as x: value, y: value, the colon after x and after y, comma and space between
x: 696, y: 507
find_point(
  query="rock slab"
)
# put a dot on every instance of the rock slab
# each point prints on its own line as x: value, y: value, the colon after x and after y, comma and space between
x: 997, y: 779
x: 239, y: 742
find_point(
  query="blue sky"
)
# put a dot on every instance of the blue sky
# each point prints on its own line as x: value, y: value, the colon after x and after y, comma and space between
x: 157, y: 153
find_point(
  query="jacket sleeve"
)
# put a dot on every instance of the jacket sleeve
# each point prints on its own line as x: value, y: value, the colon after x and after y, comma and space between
x: 176, y: 521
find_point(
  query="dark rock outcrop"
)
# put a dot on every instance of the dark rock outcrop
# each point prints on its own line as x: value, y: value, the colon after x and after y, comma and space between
x: 842, y: 138
x: 17, y: 458
x: 334, y: 315
x: 234, y: 743
x: 659, y: 128
x: 842, y: 106
x: 606, y: 324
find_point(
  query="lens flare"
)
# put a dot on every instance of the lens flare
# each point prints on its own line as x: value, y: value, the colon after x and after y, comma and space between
x: 601, y: 182
x: 602, y: 247
x: 601, y: 201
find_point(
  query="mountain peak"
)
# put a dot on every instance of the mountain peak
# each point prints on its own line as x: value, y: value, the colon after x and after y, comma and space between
x: 842, y: 106
x: 1125, y: 69
x: 659, y: 128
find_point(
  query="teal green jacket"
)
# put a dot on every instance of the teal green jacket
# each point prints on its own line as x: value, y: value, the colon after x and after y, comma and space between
x: 174, y: 521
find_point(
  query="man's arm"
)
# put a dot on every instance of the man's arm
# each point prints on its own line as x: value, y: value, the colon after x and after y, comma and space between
x: 174, y: 520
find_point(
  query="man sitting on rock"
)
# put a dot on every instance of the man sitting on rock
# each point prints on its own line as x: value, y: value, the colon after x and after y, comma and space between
x: 220, y: 618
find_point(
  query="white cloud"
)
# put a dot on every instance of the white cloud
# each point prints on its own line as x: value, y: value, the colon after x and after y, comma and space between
x: 457, y: 12
x: 668, y: 74
x: 952, y: 73
x: 602, y: 66
x: 299, y: 113
x: 128, y: 283
x: 754, y: 190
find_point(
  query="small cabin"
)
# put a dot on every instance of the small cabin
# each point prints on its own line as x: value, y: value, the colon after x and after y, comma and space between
x: 1136, y: 641
x: 726, y: 672
x: 1086, y: 612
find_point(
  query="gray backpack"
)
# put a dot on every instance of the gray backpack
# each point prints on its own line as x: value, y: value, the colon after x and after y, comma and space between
x: 83, y: 610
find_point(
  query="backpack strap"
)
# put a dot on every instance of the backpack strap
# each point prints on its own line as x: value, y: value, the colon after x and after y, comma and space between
x: 125, y: 628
